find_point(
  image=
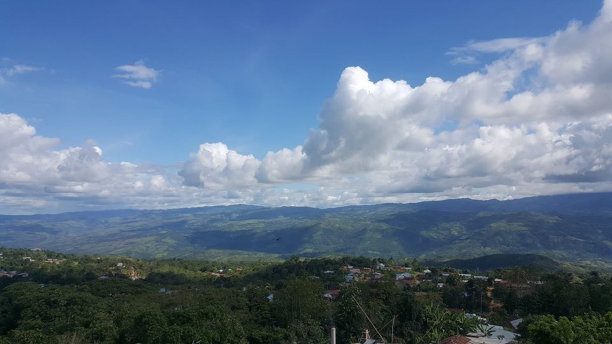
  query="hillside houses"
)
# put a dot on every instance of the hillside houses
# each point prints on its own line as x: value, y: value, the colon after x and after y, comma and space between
x: 379, y: 272
x: 403, y: 275
x: 12, y: 274
x: 331, y: 294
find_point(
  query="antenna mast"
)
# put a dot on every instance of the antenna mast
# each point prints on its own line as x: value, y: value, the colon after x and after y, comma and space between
x: 369, y: 320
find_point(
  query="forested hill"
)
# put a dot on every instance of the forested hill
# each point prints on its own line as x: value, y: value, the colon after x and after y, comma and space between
x: 499, y: 261
x: 566, y: 227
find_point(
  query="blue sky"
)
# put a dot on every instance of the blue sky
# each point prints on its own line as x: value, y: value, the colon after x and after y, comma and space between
x: 261, y: 77
x: 251, y: 74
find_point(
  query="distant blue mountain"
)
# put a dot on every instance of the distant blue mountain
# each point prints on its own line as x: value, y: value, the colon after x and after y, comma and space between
x: 575, y: 227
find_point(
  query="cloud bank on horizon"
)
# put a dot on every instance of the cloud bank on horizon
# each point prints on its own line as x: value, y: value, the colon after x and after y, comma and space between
x: 536, y: 120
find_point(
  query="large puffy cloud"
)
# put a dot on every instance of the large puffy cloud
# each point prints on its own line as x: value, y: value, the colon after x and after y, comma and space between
x: 284, y: 165
x: 24, y: 156
x: 215, y: 166
x: 535, y: 120
x: 37, y: 176
x: 31, y: 159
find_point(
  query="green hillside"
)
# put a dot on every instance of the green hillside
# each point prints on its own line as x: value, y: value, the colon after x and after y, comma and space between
x: 447, y: 229
x: 499, y: 261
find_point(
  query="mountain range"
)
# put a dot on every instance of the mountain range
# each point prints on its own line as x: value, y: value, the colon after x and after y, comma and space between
x: 573, y: 228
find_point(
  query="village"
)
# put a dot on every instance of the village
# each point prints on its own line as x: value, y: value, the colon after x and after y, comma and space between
x: 434, y: 280
x: 462, y: 291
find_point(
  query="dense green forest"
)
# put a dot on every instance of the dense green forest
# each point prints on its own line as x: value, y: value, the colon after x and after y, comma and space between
x: 47, y: 297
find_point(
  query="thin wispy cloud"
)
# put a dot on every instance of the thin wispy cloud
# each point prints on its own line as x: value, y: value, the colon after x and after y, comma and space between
x: 464, y: 59
x: 21, y: 69
x: 137, y: 75
x: 14, y: 70
x: 468, y: 53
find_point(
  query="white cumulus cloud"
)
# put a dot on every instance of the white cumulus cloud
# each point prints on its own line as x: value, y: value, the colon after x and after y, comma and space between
x: 534, y: 120
x: 215, y: 166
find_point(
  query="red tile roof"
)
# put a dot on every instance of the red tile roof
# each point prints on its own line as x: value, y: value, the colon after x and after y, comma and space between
x: 456, y: 340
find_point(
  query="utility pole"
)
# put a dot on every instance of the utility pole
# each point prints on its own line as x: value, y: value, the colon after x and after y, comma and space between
x: 368, y: 318
x: 392, y: 325
x: 333, y: 335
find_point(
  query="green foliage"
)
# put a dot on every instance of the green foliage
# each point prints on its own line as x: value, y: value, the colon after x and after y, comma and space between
x: 587, y: 329
x: 601, y: 296
x: 436, y: 323
x: 471, y: 296
x: 497, y: 261
x: 299, y: 300
x: 349, y: 318
x: 87, y: 299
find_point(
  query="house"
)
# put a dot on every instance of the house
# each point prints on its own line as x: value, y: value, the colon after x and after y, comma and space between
x: 515, y: 323
x: 330, y: 294
x: 477, y: 317
x: 377, y: 276
x: 406, y: 282
x: 457, y: 339
x: 120, y: 265
x: 499, y: 335
x: 426, y: 271
x: 403, y: 275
